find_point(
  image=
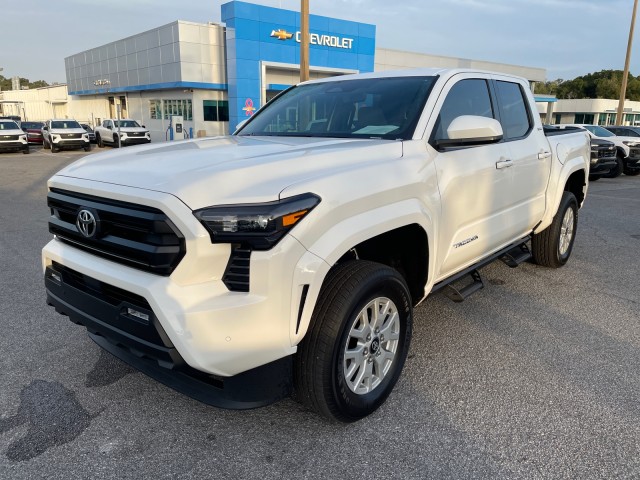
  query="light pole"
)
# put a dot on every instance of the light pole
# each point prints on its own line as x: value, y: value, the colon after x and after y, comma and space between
x: 304, y: 40
x: 625, y: 75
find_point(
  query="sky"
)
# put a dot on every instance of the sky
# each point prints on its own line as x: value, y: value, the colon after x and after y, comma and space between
x: 568, y: 38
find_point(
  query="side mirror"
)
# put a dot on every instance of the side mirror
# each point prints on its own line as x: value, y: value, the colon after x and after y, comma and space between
x: 469, y: 130
x: 144, y: 126
x: 45, y: 128
x: 109, y: 127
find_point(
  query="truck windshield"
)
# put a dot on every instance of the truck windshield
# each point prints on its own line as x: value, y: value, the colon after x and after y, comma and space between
x: 65, y: 124
x: 599, y: 131
x: 387, y: 108
x: 126, y: 123
x: 9, y: 126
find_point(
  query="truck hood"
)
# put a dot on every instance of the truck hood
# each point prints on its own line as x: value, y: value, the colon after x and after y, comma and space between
x: 233, y: 169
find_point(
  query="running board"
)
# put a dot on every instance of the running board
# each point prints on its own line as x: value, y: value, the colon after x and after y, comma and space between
x: 516, y: 252
x: 459, y: 295
x: 516, y: 256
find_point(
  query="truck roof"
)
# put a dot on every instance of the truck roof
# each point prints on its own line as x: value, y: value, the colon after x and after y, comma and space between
x: 414, y: 72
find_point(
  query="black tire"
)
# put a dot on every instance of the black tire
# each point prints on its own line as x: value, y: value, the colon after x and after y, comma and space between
x: 546, y: 246
x: 87, y: 148
x: 319, y: 376
x: 45, y: 145
x: 594, y: 178
x: 26, y: 150
x: 99, y: 141
x: 115, y: 141
x: 617, y: 170
x: 54, y: 149
x: 631, y: 173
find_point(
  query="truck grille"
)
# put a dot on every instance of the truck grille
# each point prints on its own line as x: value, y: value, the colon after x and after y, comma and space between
x: 135, y: 134
x: 606, y: 152
x: 135, y: 235
x: 8, y: 137
x: 71, y: 135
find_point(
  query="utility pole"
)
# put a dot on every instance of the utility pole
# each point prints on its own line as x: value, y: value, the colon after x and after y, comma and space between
x: 304, y: 40
x: 625, y: 75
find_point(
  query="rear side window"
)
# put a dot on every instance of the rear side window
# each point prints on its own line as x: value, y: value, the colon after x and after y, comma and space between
x: 467, y: 97
x: 515, y: 118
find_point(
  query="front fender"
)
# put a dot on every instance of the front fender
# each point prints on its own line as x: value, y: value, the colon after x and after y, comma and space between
x: 337, y: 240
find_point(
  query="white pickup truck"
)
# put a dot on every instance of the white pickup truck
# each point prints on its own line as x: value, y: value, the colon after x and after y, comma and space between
x: 289, y: 256
x: 130, y: 132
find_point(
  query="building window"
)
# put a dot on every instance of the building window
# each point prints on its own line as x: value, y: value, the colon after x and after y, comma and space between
x: 586, y: 118
x: 215, y: 110
x: 155, y: 109
x: 558, y: 118
x: 159, y: 109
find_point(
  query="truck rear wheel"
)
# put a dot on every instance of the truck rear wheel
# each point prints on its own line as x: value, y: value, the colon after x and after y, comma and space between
x: 552, y: 247
x: 357, y: 343
x: 99, y: 141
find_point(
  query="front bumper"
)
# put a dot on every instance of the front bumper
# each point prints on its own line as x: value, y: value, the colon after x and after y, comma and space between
x: 603, y: 166
x: 143, y: 343
x: 13, y: 145
x: 632, y: 163
x: 71, y: 143
x: 135, y: 140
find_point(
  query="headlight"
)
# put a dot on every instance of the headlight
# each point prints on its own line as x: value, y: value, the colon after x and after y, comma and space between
x: 260, y: 225
x: 630, y: 143
x: 23, y: 137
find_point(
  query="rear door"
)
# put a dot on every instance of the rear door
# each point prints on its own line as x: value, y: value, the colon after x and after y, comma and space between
x: 529, y: 153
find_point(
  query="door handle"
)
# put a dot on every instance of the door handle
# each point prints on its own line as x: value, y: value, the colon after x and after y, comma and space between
x: 504, y: 164
x: 544, y: 155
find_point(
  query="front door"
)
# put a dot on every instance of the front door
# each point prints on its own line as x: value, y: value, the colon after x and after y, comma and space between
x: 474, y: 188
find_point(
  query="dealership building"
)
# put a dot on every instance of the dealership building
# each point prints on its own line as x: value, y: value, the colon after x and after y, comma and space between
x: 215, y: 75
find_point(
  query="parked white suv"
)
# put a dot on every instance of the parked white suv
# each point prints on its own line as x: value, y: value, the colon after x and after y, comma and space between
x: 12, y: 138
x: 628, y: 150
x: 58, y: 134
x: 130, y: 131
x: 291, y: 254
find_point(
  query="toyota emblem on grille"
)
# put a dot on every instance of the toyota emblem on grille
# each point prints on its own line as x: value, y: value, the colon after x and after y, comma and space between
x: 86, y: 223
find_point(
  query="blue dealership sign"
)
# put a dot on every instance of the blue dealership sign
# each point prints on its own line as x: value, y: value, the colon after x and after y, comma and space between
x: 257, y: 34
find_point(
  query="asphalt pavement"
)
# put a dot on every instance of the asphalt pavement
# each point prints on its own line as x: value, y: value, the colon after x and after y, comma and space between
x: 536, y: 376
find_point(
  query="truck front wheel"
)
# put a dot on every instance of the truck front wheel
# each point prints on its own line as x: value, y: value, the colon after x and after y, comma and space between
x: 617, y: 170
x: 552, y: 247
x: 357, y: 343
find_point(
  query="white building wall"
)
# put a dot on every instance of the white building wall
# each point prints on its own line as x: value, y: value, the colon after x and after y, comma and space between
x: 387, y: 59
x: 38, y: 104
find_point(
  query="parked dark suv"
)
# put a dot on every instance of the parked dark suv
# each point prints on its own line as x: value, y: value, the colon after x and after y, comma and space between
x: 603, y: 158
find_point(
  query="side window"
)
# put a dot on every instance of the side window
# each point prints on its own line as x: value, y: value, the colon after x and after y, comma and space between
x: 515, y: 118
x: 630, y: 133
x: 467, y: 97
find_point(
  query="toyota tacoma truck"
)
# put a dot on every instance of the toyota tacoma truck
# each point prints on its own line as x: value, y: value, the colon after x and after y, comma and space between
x: 287, y: 258
x: 130, y: 132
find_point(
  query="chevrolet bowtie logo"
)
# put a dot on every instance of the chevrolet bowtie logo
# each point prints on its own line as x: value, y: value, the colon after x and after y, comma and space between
x: 281, y: 34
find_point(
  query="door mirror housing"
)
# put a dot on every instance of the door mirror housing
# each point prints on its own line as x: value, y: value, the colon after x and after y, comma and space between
x: 471, y: 130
